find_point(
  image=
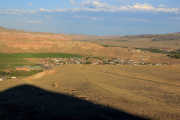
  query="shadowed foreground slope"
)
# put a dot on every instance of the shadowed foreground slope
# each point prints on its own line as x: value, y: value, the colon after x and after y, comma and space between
x: 27, y: 102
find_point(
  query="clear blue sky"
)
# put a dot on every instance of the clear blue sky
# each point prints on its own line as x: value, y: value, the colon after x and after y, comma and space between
x: 99, y: 17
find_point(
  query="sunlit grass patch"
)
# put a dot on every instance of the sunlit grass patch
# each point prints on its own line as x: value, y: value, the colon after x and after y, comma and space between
x: 9, y: 61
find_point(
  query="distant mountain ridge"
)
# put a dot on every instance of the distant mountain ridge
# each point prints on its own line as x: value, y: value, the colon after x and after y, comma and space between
x: 85, y: 37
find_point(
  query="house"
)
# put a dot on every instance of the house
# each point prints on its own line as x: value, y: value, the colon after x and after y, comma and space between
x: 1, y: 79
x: 23, y: 68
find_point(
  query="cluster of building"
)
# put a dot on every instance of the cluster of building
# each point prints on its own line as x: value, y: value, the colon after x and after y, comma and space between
x: 49, y: 63
x: 5, y: 78
x: 89, y: 60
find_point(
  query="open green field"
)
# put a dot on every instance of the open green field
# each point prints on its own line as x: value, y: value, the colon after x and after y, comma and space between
x: 10, y: 61
x: 172, y: 54
x: 37, y: 55
x: 18, y: 59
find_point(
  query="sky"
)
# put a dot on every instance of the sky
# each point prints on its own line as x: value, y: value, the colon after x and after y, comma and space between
x: 93, y: 17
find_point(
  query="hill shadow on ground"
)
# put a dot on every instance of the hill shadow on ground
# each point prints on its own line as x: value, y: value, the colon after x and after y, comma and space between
x: 28, y: 102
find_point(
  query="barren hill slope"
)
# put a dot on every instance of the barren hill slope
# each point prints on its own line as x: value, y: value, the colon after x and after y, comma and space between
x: 18, y: 41
x: 161, y: 41
x: 12, y: 41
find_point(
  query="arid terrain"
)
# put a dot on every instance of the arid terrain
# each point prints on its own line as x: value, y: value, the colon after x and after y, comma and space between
x: 76, y: 77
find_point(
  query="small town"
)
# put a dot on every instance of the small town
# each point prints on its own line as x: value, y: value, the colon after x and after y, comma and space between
x: 50, y: 63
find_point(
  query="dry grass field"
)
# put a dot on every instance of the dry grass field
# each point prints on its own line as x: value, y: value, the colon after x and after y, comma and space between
x: 148, y: 91
x: 88, y: 91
